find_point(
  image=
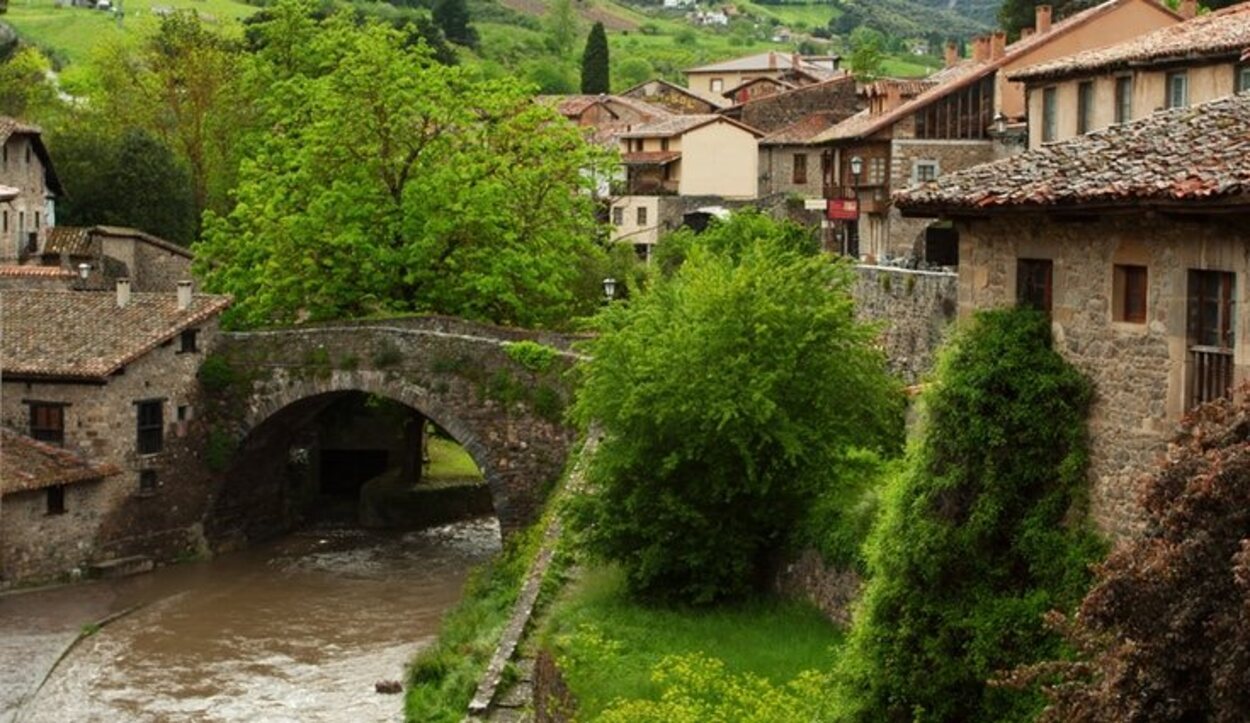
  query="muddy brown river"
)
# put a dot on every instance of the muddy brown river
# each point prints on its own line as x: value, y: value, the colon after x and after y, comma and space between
x: 299, y: 629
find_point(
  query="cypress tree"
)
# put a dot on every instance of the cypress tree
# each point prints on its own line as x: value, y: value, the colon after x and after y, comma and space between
x: 595, y: 61
x: 453, y: 17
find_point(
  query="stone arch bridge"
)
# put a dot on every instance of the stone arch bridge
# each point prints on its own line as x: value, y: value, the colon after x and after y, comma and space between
x: 505, y: 409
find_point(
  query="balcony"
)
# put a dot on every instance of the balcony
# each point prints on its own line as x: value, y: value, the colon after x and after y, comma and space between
x: 1210, y: 374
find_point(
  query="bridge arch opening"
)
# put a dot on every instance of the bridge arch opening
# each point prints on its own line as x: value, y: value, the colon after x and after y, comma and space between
x: 355, y: 453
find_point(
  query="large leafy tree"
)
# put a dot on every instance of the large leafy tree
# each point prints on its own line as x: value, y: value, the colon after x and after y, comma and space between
x: 1165, y: 631
x: 453, y: 17
x: 979, y: 537
x: 183, y: 85
x: 126, y: 180
x: 391, y: 183
x: 725, y: 393
x: 595, y: 67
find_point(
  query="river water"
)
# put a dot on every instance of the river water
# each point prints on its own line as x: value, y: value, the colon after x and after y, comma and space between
x: 299, y: 629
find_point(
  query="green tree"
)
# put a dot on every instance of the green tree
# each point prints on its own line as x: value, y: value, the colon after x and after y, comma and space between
x: 25, y: 91
x: 982, y: 534
x: 725, y: 394
x: 561, y: 24
x: 127, y: 180
x: 595, y: 65
x: 632, y: 71
x: 182, y: 85
x: 867, y: 54
x: 392, y: 183
x: 453, y: 17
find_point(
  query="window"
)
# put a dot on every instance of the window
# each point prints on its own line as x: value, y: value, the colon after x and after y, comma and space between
x: 36, y: 220
x: 924, y: 171
x: 56, y: 500
x: 1049, y: 130
x: 1177, y: 90
x: 799, y: 175
x: 151, y: 426
x: 6, y: 221
x: 186, y: 341
x: 618, y: 216
x: 1124, y: 99
x: 47, y: 422
x: 184, y: 412
x: 1241, y: 80
x: 717, y: 84
x: 663, y: 144
x: 642, y: 251
x: 1085, y: 107
x: 1129, y: 288
x: 1033, y: 283
x: 876, y: 171
x: 1211, y: 309
x: 21, y: 222
x: 642, y: 215
x: 147, y: 480
x: 1211, y: 314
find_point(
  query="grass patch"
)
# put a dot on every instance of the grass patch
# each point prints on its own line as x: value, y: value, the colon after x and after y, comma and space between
x: 608, y: 644
x: 449, y: 460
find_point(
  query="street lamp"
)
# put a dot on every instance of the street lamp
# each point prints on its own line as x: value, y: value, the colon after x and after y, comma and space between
x: 609, y: 288
x: 857, y: 167
x: 1000, y: 123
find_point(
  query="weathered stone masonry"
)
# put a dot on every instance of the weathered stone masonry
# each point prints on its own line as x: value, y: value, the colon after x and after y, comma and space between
x: 914, y: 309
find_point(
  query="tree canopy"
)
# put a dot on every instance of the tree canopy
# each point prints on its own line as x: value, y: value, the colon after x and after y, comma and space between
x: 452, y: 16
x: 595, y: 66
x: 391, y: 183
x: 725, y: 393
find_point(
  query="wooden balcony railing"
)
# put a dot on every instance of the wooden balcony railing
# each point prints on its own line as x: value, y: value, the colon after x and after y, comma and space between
x: 1210, y: 374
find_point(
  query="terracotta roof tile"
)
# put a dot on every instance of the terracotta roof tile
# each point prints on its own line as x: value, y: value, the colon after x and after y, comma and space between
x: 803, y: 130
x: 1218, y: 34
x: 650, y: 158
x: 35, y: 272
x: 26, y: 464
x: 83, y: 335
x: 73, y: 240
x: 1192, y: 154
x: 679, y: 124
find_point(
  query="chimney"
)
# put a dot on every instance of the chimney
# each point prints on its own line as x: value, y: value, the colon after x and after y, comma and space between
x: 772, y: 60
x: 123, y: 293
x: 796, y: 62
x: 184, y: 295
x: 952, y: 53
x: 998, y: 45
x: 1042, y: 23
x: 893, y: 96
x: 981, y: 48
x: 1188, y: 9
x: 1025, y: 32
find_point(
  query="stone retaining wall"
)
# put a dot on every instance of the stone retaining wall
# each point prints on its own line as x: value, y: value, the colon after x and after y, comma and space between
x: 914, y: 309
x: 831, y: 589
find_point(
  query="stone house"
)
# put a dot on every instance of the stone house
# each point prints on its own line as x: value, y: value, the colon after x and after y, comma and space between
x: 790, y: 164
x: 707, y: 158
x: 605, y: 116
x: 1134, y: 240
x: 959, y: 117
x: 110, y: 376
x: 114, y: 252
x: 717, y: 78
x: 837, y: 96
x: 757, y: 88
x: 676, y: 99
x: 28, y: 189
x: 50, y: 507
x: 1184, y: 64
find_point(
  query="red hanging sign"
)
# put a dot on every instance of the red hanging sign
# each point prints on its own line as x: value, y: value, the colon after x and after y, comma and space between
x: 842, y: 209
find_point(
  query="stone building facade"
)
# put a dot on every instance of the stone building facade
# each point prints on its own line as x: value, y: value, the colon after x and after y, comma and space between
x: 28, y: 189
x: 914, y: 310
x: 111, y: 377
x: 675, y: 98
x: 113, y: 252
x: 1134, y: 241
x: 837, y: 97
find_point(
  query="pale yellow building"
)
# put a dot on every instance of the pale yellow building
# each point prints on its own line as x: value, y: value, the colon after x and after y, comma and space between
x: 680, y: 162
x: 1181, y: 65
x: 716, y: 79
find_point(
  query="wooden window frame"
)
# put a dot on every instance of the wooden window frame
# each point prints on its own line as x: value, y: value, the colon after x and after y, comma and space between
x: 1123, y: 99
x: 798, y: 171
x: 640, y: 214
x: 1050, y: 114
x: 55, y: 500
x: 1085, y: 107
x: 1131, y: 286
x: 188, y: 341
x: 40, y: 412
x: 1170, y: 100
x: 149, y: 428
x: 1027, y: 271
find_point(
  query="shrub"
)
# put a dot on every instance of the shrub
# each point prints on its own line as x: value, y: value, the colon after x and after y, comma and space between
x: 726, y: 394
x: 981, y: 534
x: 531, y: 355
x: 216, y: 375
x: 387, y: 355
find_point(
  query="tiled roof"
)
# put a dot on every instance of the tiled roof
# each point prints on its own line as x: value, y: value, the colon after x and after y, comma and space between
x: 679, y: 124
x: 35, y: 272
x: 967, y: 72
x: 746, y: 83
x: 711, y: 99
x: 803, y: 130
x: 73, y: 240
x: 26, y: 464
x: 1222, y: 33
x: 83, y: 335
x: 139, y: 235
x: 1191, y: 155
x: 650, y: 158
